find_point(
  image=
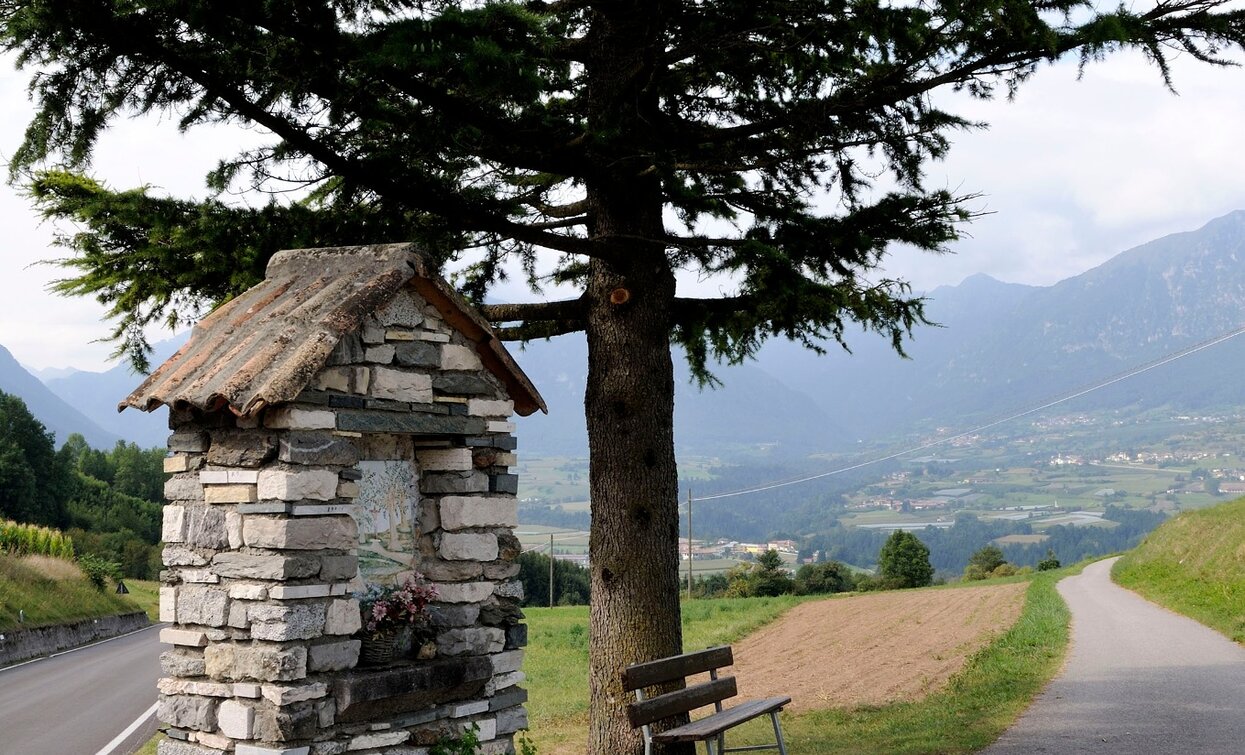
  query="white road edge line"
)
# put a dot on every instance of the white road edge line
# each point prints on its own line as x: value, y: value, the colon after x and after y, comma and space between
x: 80, y: 647
x: 116, y: 742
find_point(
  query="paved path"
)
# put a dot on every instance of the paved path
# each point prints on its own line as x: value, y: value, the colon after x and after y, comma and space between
x: 1138, y: 680
x: 78, y: 702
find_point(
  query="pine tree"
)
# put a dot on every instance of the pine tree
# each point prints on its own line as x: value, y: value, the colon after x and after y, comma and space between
x: 604, y: 145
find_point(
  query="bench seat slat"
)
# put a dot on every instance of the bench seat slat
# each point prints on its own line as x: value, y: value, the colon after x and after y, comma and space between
x: 707, y: 728
x: 665, y: 670
x: 711, y: 726
x: 681, y: 701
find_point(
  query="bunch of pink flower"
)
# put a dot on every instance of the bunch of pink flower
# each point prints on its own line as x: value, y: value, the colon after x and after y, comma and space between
x: 386, y: 608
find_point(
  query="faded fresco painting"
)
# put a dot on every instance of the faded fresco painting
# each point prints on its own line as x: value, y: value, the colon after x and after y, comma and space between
x: 386, y: 513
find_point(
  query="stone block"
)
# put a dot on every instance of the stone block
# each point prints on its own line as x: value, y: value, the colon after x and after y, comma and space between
x: 287, y: 694
x: 382, y: 354
x: 507, y: 699
x: 444, y: 459
x: 486, y: 729
x: 205, y: 527
x: 175, y: 556
x: 317, y: 449
x: 248, y: 592
x: 439, y: 483
x: 215, y: 741
x: 511, y: 720
x: 490, y: 407
x: 417, y: 354
x: 399, y: 334
x: 402, y: 311
x: 230, y: 494
x: 305, y: 533
x: 377, y: 739
x: 498, y: 613
x: 173, y: 529
x: 349, y: 350
x: 245, y: 749
x: 266, y: 663
x: 302, y: 592
x: 303, y: 621
x: 464, y: 512
x: 499, y: 426
x: 343, y: 617
x: 413, y: 423
x: 236, y: 720
x: 504, y: 663
x: 516, y: 636
x: 174, y: 747
x: 468, y: 709
x: 504, y: 681
x: 313, y: 484
x: 463, y: 358
x: 501, y: 570
x: 506, y: 459
x: 470, y: 641
x: 334, y: 379
x: 322, y: 509
x: 468, y: 546
x: 460, y: 615
x: 183, y: 487
x: 172, y: 686
x: 228, y: 477
x: 201, y: 576
x: 248, y: 690
x: 182, y: 662
x: 431, y: 336
x: 233, y: 529
x: 186, y: 637
x: 289, y: 722
x: 339, y: 568
x: 372, y: 333
x: 347, y: 489
x: 511, y: 589
x: 502, y: 442
x: 242, y: 448
x: 295, y: 418
x: 333, y: 656
x: 246, y: 566
x: 187, y: 712
x: 177, y: 463
x: 168, y: 604
x: 203, y: 605
x: 464, y: 385
x: 400, y: 385
x: 464, y: 592
x: 451, y: 571
x: 266, y: 507
x: 192, y: 441
x: 503, y: 483
x: 238, y: 618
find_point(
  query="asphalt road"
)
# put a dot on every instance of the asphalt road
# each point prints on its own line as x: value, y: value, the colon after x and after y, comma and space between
x: 80, y: 701
x: 1138, y: 680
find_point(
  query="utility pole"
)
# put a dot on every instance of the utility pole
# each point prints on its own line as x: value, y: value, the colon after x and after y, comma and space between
x: 551, y: 570
x: 689, y: 543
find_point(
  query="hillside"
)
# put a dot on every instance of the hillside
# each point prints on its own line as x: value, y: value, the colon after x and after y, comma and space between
x: 52, y: 591
x: 1194, y: 565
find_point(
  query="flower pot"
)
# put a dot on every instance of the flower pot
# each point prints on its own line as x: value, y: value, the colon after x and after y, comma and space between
x: 377, y: 649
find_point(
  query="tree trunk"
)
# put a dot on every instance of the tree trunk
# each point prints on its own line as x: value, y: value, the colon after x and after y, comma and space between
x: 629, y: 401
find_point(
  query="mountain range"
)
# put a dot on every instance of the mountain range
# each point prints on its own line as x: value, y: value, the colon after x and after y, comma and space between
x: 998, y: 348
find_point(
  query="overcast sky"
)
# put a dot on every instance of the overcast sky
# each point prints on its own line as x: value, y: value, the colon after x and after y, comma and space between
x: 1072, y: 171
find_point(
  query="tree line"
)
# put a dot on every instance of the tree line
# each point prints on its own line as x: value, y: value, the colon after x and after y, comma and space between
x: 107, y: 502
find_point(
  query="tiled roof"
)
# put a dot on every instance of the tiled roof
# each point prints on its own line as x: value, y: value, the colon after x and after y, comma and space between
x: 266, y: 345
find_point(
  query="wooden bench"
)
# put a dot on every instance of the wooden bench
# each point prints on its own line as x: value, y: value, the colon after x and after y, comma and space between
x: 710, y: 730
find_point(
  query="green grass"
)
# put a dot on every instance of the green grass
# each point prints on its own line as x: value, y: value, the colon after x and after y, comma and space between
x: 1194, y: 564
x: 995, y: 686
x: 51, y: 591
x: 147, y: 595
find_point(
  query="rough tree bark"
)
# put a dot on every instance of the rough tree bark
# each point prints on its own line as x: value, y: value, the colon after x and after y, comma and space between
x: 629, y: 402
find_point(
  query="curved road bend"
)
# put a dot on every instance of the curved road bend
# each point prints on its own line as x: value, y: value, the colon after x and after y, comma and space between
x: 1139, y: 680
x: 78, y: 702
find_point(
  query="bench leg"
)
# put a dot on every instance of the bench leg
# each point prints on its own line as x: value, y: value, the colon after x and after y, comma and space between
x: 782, y: 747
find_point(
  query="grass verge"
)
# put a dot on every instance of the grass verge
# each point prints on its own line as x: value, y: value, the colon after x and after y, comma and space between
x: 52, y: 591
x: 1194, y: 564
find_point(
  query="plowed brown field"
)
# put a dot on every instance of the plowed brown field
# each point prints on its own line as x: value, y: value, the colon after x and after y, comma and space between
x: 873, y: 649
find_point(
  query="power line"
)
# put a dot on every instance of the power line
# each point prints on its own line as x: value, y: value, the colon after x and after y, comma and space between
x: 1161, y: 361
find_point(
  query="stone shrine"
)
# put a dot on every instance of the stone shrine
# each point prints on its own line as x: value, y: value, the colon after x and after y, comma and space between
x: 344, y: 422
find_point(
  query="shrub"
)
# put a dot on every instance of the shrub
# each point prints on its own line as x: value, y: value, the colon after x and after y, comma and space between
x: 97, y: 570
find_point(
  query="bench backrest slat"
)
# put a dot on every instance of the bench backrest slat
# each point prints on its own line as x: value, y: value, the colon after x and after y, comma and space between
x: 681, y: 701
x: 668, y: 669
